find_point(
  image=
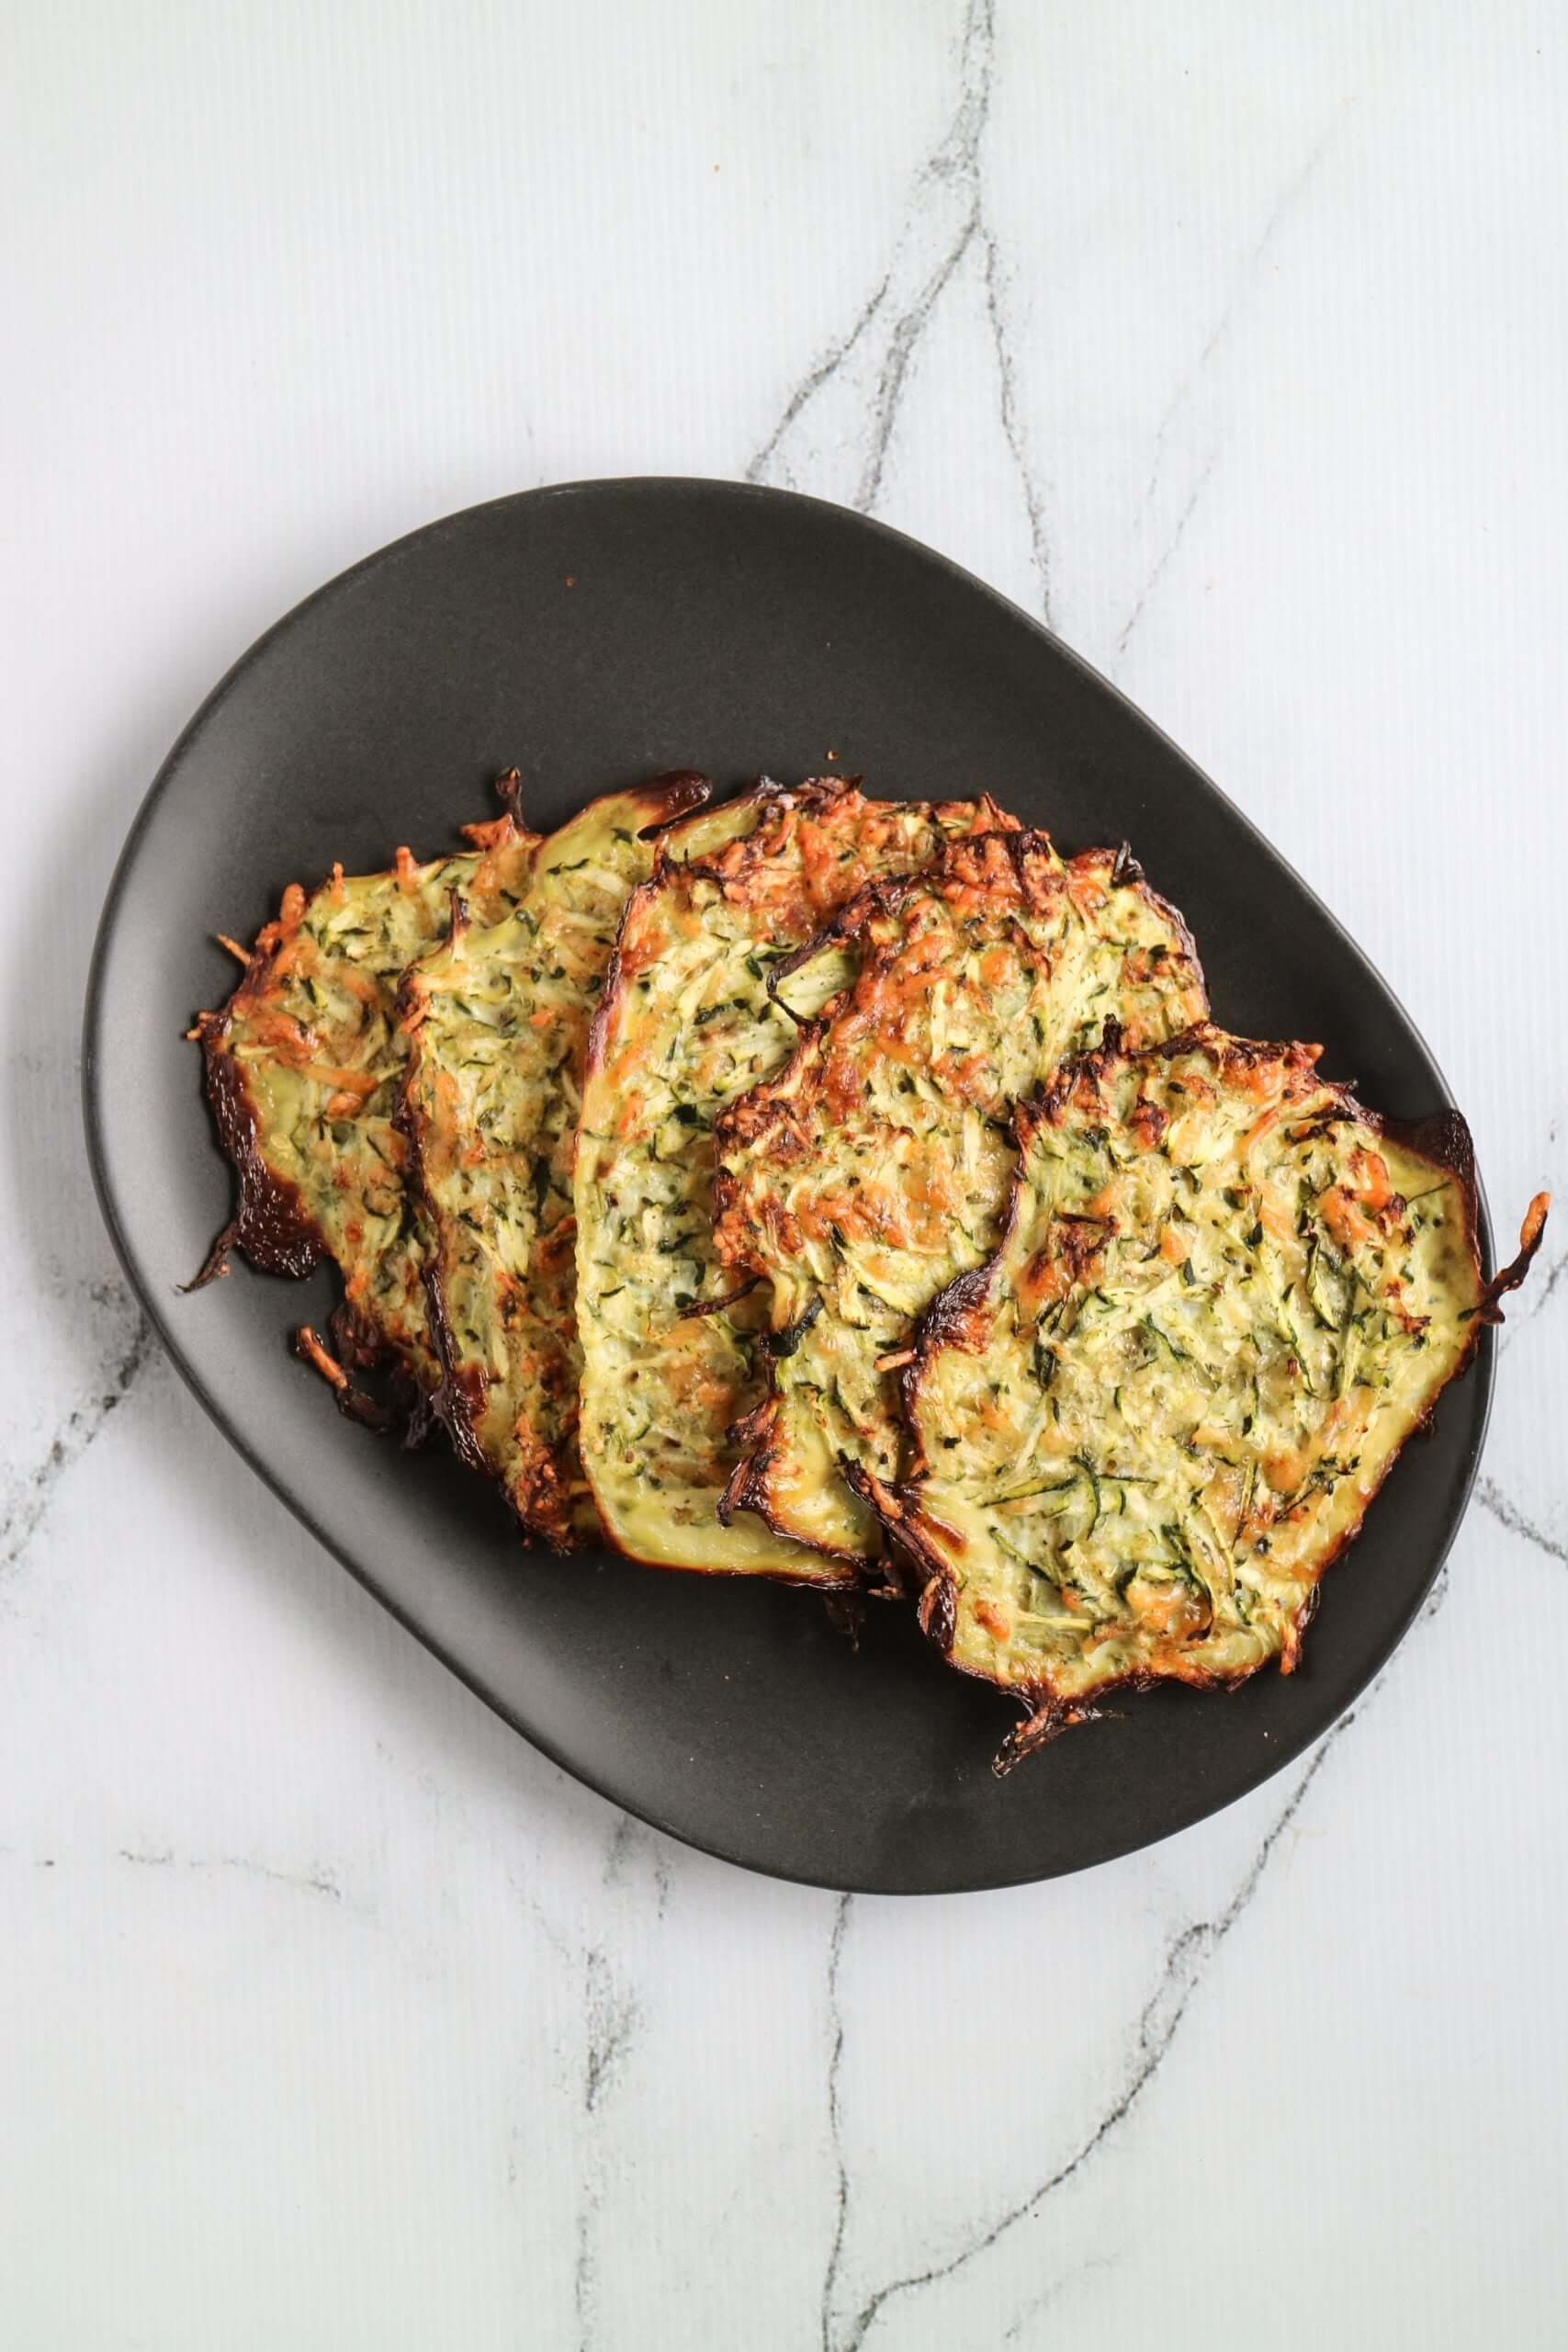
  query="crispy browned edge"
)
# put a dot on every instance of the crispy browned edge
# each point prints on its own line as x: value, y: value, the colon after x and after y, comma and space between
x: 459, y: 1395
x: 748, y: 1119
x: 818, y: 793
x: 1443, y: 1141
x: 270, y: 1223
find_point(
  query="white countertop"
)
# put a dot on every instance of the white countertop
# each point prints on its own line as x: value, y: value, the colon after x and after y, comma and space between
x: 334, y: 2016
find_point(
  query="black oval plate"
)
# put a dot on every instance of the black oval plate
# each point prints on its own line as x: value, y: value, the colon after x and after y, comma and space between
x: 592, y: 635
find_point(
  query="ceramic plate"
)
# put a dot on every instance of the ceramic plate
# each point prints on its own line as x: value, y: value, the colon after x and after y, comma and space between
x: 592, y: 635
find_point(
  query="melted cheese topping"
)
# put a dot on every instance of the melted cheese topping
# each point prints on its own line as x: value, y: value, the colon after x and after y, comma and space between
x: 878, y: 1166
x: 688, y: 1025
x: 1225, y: 1301
x: 311, y: 1036
x: 498, y: 1020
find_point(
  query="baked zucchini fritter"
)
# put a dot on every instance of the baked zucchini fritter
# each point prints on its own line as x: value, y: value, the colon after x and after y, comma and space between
x: 877, y: 1167
x: 1226, y: 1297
x: 688, y: 1021
x: 303, y: 1065
x: 497, y: 1019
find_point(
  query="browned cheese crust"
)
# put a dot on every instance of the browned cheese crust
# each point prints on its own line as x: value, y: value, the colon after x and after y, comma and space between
x: 876, y: 1166
x: 671, y: 1349
x: 497, y: 1018
x: 1226, y: 1297
x: 303, y: 1066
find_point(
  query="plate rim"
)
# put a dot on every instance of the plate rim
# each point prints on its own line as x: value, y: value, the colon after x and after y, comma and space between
x: 1481, y: 1372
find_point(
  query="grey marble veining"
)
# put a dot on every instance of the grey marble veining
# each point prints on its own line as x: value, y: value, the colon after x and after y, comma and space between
x: 1234, y: 348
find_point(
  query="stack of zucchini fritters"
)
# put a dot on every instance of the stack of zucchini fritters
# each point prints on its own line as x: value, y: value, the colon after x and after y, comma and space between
x: 853, y: 1193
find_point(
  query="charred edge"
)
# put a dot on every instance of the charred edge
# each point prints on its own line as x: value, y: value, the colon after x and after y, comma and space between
x: 719, y: 1305
x: 897, y: 1510
x: 749, y: 1435
x: 669, y: 795
x: 788, y: 1011
x: 751, y: 1483
x: 354, y: 1404
x: 1531, y: 1234
x: 361, y: 1344
x: 452, y: 1401
x: 945, y: 1324
x: 1444, y: 1141
x: 1176, y: 921
x: 1125, y: 873
x: 459, y: 1403
x: 357, y: 1338
x: 458, y: 1398
x: 1037, y: 866
x: 945, y: 1321
x: 937, y: 1611
x: 271, y: 1223
x: 883, y: 895
x: 750, y: 1487
x: 737, y: 1490
x: 419, y: 1422
x: 733, y: 865
x: 1046, y: 1721
x: 1291, y: 1652
x: 776, y: 1344
x: 1049, y: 1714
x: 411, y: 1002
x: 760, y: 796
x: 509, y: 792
x: 216, y: 1262
x: 610, y: 1001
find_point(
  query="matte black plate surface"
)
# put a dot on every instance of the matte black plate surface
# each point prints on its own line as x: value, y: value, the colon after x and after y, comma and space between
x: 593, y: 635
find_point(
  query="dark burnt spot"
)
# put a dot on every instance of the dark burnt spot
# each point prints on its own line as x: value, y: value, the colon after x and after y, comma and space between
x: 937, y: 1611
x: 271, y: 1223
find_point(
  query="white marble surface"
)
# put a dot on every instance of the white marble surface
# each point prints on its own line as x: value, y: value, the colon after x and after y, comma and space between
x: 1234, y: 340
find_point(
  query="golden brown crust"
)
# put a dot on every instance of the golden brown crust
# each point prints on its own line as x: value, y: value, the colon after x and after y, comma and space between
x: 961, y: 1322
x: 686, y: 1023
x: 509, y: 1360
x: 300, y: 1068
x: 859, y: 1179
x: 270, y: 1222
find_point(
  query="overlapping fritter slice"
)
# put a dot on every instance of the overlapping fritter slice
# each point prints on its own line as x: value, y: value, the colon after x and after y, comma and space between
x: 876, y: 1166
x: 497, y: 1018
x: 670, y: 1357
x: 1226, y: 1297
x: 303, y: 1066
